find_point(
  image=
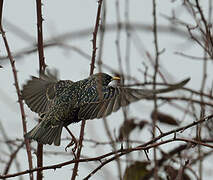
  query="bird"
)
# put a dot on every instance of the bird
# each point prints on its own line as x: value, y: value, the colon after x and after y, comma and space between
x: 62, y: 102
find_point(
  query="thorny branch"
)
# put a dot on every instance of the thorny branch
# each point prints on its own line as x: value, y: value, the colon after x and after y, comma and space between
x: 42, y: 67
x: 12, y: 63
x: 75, y: 170
x: 154, y: 119
x: 150, y: 144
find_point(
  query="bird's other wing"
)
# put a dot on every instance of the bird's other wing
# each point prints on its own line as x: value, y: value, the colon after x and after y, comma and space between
x: 113, y: 98
x: 172, y: 87
x: 39, y: 93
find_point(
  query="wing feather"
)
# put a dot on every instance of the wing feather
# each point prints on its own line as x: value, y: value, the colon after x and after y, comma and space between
x: 39, y: 93
x: 114, y: 98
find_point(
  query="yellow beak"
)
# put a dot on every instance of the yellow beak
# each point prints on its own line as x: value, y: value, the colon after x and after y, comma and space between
x: 115, y: 78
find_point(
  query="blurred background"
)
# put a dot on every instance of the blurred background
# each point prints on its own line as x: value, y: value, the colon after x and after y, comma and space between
x: 126, y: 46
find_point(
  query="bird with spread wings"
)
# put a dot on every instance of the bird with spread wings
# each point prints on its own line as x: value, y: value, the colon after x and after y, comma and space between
x: 62, y: 102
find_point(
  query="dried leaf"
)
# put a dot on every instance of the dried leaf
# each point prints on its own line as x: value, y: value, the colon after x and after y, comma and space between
x: 126, y: 128
x: 141, y: 124
x: 173, y: 173
x: 164, y: 118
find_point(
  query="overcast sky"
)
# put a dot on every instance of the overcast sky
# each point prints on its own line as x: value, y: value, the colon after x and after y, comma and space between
x: 71, y: 16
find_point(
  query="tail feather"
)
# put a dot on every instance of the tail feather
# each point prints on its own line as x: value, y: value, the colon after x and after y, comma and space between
x: 57, y: 140
x: 46, y: 134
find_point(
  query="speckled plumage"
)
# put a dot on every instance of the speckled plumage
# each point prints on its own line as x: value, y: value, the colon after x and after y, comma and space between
x: 61, y: 103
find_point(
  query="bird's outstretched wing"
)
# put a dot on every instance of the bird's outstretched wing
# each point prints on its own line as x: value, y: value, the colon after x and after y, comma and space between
x: 112, y: 98
x: 39, y: 93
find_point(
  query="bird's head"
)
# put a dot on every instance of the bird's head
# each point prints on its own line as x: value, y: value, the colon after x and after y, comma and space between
x: 104, y: 79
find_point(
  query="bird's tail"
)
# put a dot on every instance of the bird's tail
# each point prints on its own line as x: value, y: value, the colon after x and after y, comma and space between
x: 45, y: 133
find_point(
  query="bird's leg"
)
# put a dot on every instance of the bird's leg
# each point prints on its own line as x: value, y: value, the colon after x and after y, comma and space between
x: 74, y: 141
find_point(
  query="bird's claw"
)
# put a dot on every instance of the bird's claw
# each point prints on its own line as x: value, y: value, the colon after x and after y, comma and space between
x: 73, y: 142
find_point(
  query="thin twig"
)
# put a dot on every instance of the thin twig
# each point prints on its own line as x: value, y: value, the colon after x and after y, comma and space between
x: 40, y: 45
x: 12, y: 63
x: 154, y: 119
x: 92, y: 66
x: 144, y: 148
x: 12, y: 157
x: 42, y: 66
x: 10, y: 147
x: 125, y: 151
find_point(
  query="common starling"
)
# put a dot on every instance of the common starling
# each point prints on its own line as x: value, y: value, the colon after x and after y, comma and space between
x: 62, y: 102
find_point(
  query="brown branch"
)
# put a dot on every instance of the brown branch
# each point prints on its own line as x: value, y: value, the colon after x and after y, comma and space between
x: 191, y: 56
x: 117, y: 154
x: 42, y: 66
x: 124, y: 151
x: 144, y: 148
x: 12, y: 157
x: 10, y: 147
x: 184, y: 99
x: 118, y: 53
x: 92, y: 66
x: 202, y: 111
x: 154, y: 119
x: 95, y: 37
x: 1, y: 11
x: 12, y: 62
x: 20, y: 32
x: 82, y: 33
x: 208, y: 33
